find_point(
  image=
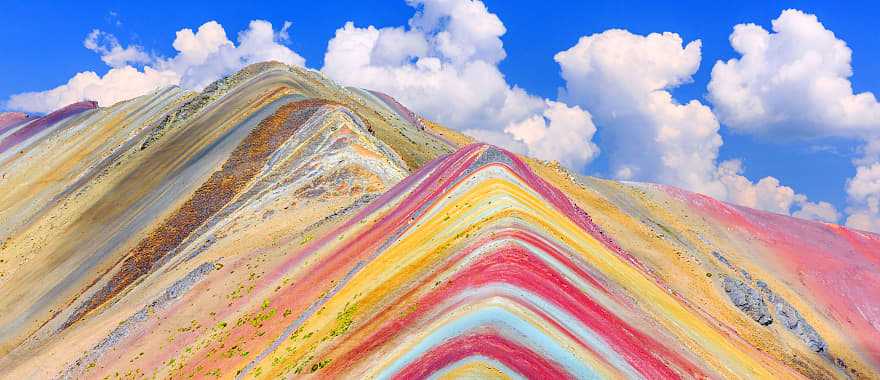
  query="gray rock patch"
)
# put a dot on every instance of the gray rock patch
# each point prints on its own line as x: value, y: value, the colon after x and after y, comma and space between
x: 762, y: 286
x: 748, y: 300
x: 789, y: 317
x: 722, y: 259
x: 792, y: 320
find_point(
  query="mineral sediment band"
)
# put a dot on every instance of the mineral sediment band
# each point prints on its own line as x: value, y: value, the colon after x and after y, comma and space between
x: 279, y: 225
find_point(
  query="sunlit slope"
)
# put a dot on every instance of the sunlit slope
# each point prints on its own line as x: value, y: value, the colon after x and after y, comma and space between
x: 803, y: 292
x: 97, y: 203
x: 279, y: 225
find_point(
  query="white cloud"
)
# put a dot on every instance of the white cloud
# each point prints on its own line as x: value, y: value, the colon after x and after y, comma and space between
x: 464, y: 30
x: 112, y: 53
x: 118, y: 84
x: 767, y: 194
x: 864, y: 195
x: 821, y: 211
x: 624, y: 80
x: 561, y: 133
x: 207, y: 55
x: 866, y: 183
x: 202, y: 57
x: 444, y: 65
x: 793, y: 80
x: 770, y: 195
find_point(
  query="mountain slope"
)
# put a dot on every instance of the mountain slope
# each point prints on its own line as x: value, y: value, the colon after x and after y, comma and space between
x: 92, y: 191
x: 277, y: 224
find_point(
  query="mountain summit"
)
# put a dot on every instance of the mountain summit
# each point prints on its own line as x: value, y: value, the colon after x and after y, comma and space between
x: 277, y: 224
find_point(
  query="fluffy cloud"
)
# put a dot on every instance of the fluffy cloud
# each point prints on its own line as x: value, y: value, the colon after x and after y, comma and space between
x: 767, y: 194
x: 543, y: 134
x: 444, y: 65
x: 864, y: 194
x: 621, y: 78
x: 118, y: 84
x: 821, y: 211
x: 202, y: 57
x: 624, y: 80
x: 112, y: 53
x: 207, y: 55
x: 770, y: 195
x: 793, y: 80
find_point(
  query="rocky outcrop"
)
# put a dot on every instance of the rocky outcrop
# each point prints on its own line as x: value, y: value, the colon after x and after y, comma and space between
x: 789, y: 317
x: 722, y: 259
x: 748, y: 300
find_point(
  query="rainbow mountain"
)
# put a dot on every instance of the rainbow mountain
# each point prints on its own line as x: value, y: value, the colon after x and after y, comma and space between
x: 278, y: 225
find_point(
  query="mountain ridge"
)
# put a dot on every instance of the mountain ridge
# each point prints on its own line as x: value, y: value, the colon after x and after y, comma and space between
x: 186, y: 233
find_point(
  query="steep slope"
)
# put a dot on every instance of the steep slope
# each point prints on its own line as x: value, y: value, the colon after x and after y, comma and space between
x: 278, y: 225
x: 803, y: 292
x: 96, y: 201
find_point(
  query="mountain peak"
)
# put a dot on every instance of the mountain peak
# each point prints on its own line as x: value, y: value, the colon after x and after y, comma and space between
x: 277, y: 224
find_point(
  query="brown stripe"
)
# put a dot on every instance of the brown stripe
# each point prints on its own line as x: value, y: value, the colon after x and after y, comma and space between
x: 239, y: 169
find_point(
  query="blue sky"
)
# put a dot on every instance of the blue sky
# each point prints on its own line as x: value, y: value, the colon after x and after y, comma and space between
x: 43, y: 46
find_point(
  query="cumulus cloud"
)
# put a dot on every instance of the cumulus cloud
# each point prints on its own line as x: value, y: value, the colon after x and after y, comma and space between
x: 444, y: 65
x: 766, y: 194
x: 769, y: 194
x: 112, y: 53
x: 864, y: 195
x: 207, y: 55
x: 543, y: 134
x: 624, y: 79
x: 793, y: 80
x: 821, y: 211
x: 118, y: 84
x: 202, y: 57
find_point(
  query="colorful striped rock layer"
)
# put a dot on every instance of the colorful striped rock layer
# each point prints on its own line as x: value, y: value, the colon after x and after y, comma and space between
x: 278, y: 225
